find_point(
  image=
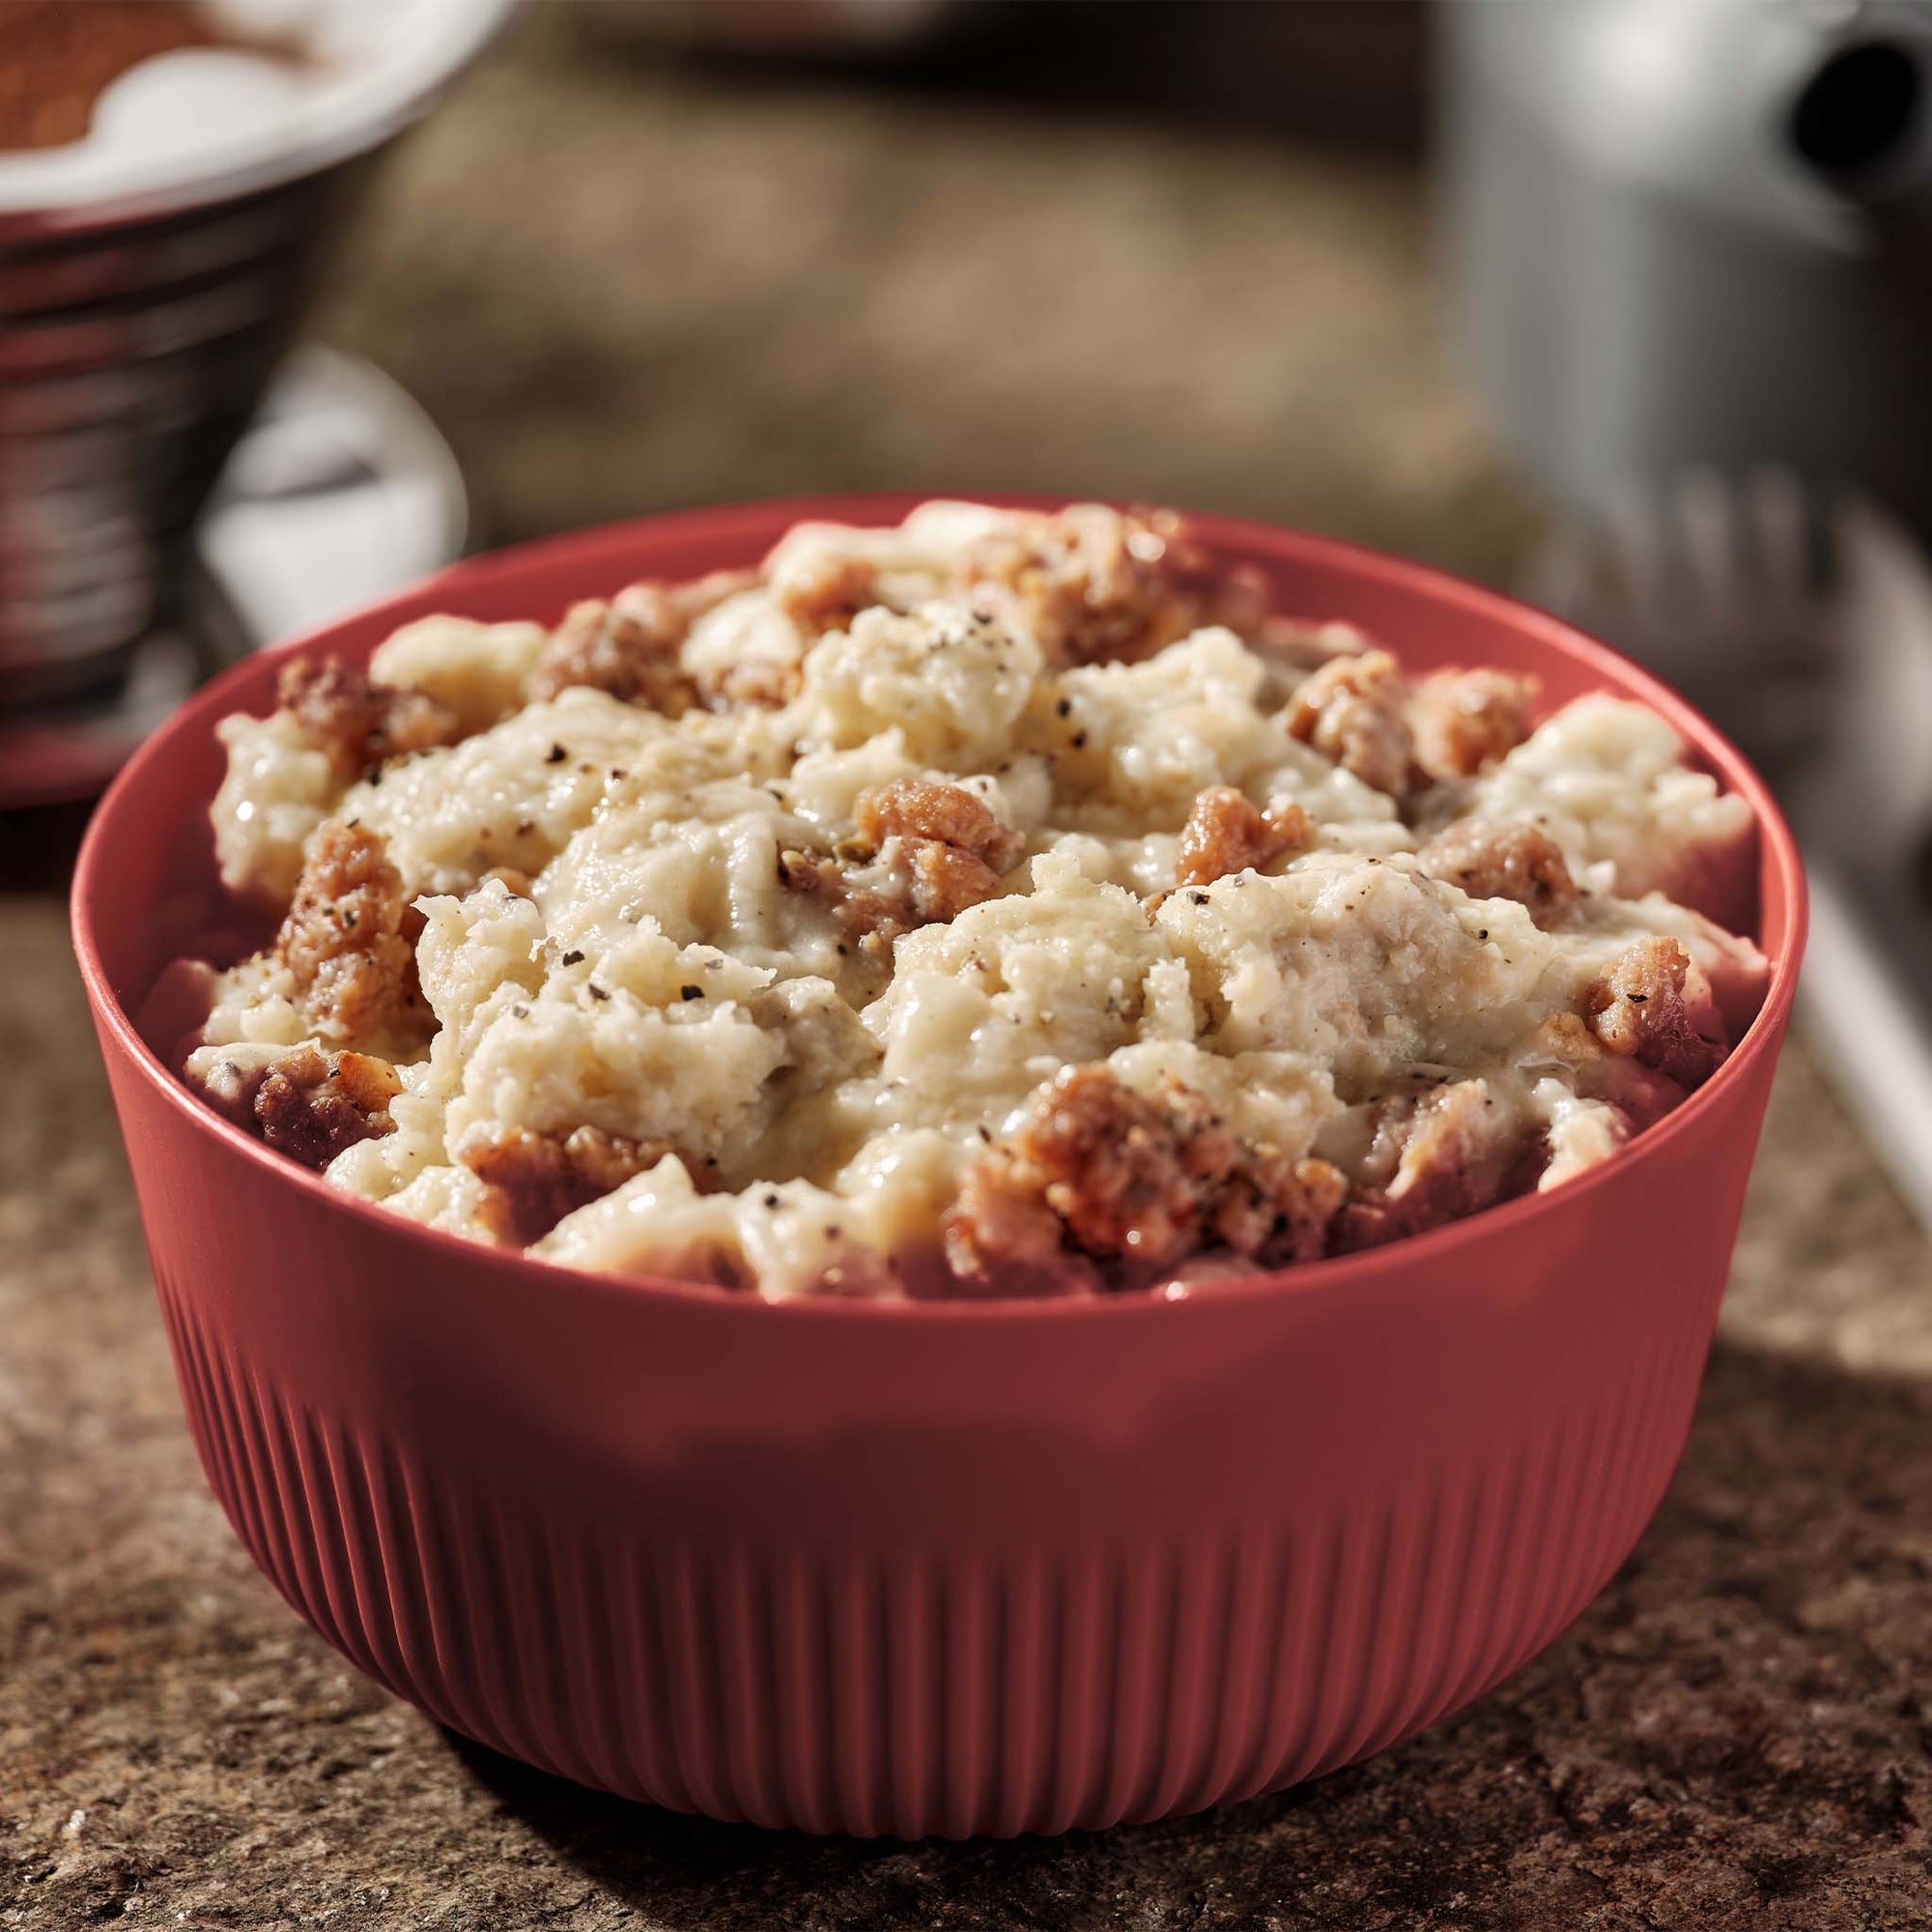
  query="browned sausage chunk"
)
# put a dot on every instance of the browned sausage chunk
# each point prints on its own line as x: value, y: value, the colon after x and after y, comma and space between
x: 1432, y: 1162
x: 357, y: 720
x: 872, y: 919
x: 631, y: 653
x: 1463, y: 721
x: 535, y: 1179
x: 311, y: 1105
x: 629, y: 646
x: 930, y: 850
x: 946, y: 839
x: 1226, y: 834
x: 342, y: 943
x: 1505, y: 860
x: 1637, y: 1007
x: 1093, y: 588
x: 1353, y: 710
x: 829, y: 591
x: 1107, y: 1172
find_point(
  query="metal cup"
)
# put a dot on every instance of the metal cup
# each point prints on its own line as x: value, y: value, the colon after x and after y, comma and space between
x: 136, y: 337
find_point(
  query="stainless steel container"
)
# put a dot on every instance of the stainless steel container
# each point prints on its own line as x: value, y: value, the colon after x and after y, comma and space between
x: 1696, y: 232
x: 140, y: 319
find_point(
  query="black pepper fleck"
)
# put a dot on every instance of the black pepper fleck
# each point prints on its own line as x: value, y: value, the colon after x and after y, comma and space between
x: 597, y: 992
x: 573, y: 958
x: 556, y: 755
x: 691, y: 992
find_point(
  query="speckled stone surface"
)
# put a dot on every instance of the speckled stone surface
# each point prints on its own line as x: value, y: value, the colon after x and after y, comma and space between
x: 616, y: 290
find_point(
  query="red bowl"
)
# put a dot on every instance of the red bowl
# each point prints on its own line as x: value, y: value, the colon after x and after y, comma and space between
x: 957, y: 1568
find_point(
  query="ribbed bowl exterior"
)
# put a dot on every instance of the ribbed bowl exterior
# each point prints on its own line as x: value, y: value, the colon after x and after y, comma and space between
x: 968, y: 1569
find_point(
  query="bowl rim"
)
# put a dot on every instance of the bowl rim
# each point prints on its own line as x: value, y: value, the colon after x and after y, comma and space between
x: 585, y: 549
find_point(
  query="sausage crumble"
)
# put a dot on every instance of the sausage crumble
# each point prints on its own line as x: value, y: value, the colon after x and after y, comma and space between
x: 1225, y: 833
x: 1463, y: 722
x: 1508, y: 860
x: 1355, y: 711
x: 1638, y: 1009
x: 923, y: 852
x: 358, y: 722
x: 311, y: 1105
x: 1433, y: 1161
x: 352, y: 969
x: 629, y: 646
x: 1110, y: 1173
x: 534, y: 1179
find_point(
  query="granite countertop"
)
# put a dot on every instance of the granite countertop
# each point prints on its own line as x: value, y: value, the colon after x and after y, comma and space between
x: 684, y: 287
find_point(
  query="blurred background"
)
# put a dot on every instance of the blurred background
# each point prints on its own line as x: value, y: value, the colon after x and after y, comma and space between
x: 1619, y: 303
x: 1142, y: 251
